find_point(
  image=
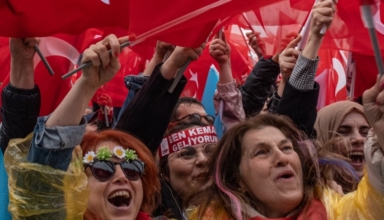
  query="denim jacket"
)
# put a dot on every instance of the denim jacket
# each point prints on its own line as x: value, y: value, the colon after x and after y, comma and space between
x: 53, y: 146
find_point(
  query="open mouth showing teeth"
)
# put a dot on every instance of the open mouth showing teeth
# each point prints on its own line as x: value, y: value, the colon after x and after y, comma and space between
x: 120, y: 199
x: 356, y: 157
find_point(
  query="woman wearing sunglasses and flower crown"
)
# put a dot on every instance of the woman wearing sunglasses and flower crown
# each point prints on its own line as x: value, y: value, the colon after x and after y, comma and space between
x: 114, y: 177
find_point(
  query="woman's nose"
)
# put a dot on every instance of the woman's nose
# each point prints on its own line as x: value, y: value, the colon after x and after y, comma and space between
x: 201, y: 159
x: 119, y: 176
x: 281, y: 159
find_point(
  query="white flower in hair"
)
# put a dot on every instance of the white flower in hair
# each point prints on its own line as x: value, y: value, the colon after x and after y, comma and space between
x: 88, y: 158
x: 119, y: 152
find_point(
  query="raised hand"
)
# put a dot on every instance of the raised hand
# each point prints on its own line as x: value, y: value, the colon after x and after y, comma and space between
x: 161, y: 50
x: 178, y: 58
x: 22, y: 69
x: 256, y: 43
x: 104, y: 65
x: 373, y: 103
x: 22, y: 48
x: 288, y: 58
x: 220, y: 50
x: 322, y: 14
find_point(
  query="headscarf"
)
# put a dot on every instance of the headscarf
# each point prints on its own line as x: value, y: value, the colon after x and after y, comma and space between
x: 330, y: 118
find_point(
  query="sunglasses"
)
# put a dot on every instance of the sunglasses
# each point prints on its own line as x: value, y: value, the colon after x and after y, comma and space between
x: 104, y: 170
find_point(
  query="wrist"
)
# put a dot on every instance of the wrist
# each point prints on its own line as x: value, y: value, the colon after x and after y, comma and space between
x: 22, y: 74
x: 86, y: 85
x: 157, y: 58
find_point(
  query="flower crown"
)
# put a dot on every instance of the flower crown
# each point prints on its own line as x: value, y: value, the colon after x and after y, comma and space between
x: 104, y: 153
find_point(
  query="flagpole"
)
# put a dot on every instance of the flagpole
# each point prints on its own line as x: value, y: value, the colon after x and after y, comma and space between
x: 89, y: 63
x: 45, y: 62
x: 367, y: 15
x: 305, y: 31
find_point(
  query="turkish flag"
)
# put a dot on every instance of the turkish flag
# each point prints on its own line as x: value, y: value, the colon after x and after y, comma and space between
x: 38, y: 18
x: 197, y: 71
x: 348, y: 32
x: 366, y: 73
x: 62, y: 53
x: 184, y: 23
x: 277, y: 23
x: 331, y: 77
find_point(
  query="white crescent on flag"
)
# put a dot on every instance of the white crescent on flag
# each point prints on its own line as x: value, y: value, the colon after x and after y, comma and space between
x: 52, y: 46
x: 342, y: 80
x: 376, y: 19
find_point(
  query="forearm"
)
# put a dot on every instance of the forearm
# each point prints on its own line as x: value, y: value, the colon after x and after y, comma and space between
x: 22, y: 74
x: 304, y: 72
x: 230, y: 96
x: 71, y: 109
x: 280, y: 90
x: 169, y: 69
x: 312, y: 47
x: 225, y: 73
x: 151, y: 65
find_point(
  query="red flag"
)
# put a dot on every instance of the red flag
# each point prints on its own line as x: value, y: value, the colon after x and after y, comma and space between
x: 276, y: 22
x: 62, y: 52
x: 331, y: 77
x: 348, y: 32
x: 5, y: 58
x: 185, y: 23
x: 39, y: 18
x: 366, y: 73
x: 197, y: 71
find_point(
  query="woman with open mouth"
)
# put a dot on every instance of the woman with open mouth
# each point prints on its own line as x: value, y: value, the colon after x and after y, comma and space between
x: 115, y: 175
x: 120, y: 172
x: 264, y: 168
x: 343, y: 128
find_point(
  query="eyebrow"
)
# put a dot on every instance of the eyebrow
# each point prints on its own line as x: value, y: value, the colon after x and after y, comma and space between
x: 263, y: 144
x: 349, y: 126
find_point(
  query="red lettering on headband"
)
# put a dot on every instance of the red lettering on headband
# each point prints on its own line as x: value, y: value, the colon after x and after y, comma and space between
x: 189, y: 137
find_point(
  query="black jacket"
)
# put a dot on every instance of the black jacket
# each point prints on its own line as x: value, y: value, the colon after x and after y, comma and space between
x: 300, y: 106
x: 171, y: 205
x: 258, y: 86
x: 147, y: 116
x: 19, y: 113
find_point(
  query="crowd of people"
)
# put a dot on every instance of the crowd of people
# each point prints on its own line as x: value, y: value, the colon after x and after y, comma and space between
x: 161, y: 157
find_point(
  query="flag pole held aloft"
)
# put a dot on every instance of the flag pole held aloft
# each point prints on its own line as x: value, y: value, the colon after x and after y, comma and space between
x: 89, y: 63
x: 46, y: 64
x: 178, y: 76
x: 368, y: 22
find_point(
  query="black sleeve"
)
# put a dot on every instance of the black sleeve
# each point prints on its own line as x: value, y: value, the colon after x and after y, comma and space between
x: 300, y: 106
x: 148, y: 114
x: 19, y: 113
x: 258, y: 85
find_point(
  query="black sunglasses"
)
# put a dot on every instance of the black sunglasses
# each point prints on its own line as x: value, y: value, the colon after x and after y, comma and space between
x: 103, y: 170
x: 209, y: 118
